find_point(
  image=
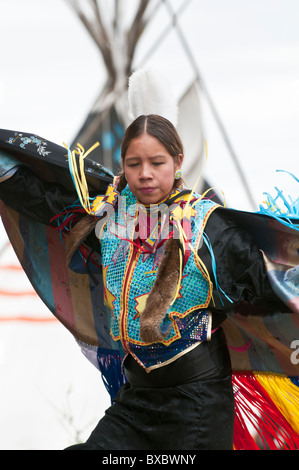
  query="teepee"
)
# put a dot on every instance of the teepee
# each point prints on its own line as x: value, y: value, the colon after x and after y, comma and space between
x: 117, y: 28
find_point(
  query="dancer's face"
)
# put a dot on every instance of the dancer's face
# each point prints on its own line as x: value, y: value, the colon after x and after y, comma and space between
x: 150, y: 169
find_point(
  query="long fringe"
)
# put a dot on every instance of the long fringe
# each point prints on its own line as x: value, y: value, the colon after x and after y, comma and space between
x: 110, y: 365
x: 266, y: 412
x: 76, y: 166
x: 282, y: 208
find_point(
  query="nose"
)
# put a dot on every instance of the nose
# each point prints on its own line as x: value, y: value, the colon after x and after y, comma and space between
x: 145, y: 172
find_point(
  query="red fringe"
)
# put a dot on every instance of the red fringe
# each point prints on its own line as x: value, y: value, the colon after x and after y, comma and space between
x: 66, y: 218
x: 259, y: 425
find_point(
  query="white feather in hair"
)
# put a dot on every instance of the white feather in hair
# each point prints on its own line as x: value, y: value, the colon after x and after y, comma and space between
x: 151, y: 93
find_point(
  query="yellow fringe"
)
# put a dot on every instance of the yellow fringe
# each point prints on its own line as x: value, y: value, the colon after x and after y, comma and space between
x: 199, y: 177
x: 284, y: 394
x: 197, y: 181
x: 78, y: 174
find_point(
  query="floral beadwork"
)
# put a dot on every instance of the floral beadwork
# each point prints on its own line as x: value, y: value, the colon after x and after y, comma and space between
x: 24, y: 140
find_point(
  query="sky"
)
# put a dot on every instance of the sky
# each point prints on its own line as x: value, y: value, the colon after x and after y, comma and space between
x: 247, y: 54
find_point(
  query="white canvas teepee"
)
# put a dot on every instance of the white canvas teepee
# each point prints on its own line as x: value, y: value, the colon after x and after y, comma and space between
x: 117, y: 28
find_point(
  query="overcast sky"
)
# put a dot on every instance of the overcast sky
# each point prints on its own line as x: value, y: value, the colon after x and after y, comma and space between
x: 247, y: 52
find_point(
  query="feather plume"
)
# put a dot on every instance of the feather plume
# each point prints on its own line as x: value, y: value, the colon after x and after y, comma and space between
x: 151, y: 93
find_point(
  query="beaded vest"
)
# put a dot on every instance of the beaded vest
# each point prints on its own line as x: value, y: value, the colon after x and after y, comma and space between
x: 130, y: 261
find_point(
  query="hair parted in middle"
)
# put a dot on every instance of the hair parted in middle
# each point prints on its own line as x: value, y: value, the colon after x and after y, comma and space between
x: 160, y: 128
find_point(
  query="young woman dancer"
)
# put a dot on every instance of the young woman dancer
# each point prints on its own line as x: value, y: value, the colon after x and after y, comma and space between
x: 172, y: 264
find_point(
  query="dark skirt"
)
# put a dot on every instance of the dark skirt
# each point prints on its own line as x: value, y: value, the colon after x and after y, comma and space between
x: 176, y: 411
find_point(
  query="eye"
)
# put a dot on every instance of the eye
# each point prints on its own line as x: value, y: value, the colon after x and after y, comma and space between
x: 132, y: 164
x: 158, y: 163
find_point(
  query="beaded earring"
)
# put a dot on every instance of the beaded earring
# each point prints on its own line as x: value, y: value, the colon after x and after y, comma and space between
x: 178, y: 174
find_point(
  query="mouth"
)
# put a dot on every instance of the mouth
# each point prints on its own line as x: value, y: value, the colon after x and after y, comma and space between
x: 147, y: 190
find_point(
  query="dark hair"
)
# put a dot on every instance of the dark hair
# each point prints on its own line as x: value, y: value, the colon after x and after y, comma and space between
x: 160, y: 128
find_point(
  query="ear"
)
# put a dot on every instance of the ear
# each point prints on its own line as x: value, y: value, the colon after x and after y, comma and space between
x: 179, y: 161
